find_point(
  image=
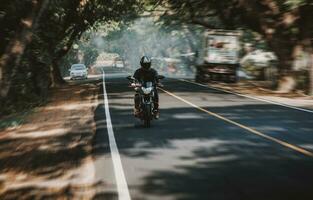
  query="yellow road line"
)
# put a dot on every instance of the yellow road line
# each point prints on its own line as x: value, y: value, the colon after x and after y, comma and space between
x: 285, y: 144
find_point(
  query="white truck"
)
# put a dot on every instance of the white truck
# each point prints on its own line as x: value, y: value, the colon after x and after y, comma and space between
x: 219, y: 58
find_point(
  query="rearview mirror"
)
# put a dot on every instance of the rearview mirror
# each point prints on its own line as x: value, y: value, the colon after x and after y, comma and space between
x: 130, y: 78
x: 161, y: 77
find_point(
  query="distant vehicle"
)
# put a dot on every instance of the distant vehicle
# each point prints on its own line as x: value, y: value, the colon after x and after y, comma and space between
x: 118, y: 63
x: 261, y: 65
x: 259, y: 59
x: 78, y: 71
x: 219, y: 58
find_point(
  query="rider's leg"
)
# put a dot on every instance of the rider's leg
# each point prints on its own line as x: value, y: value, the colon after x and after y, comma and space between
x: 156, y: 100
x: 156, y: 104
x: 137, y: 102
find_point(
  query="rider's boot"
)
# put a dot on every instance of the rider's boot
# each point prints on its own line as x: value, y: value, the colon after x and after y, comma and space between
x: 136, y: 112
x: 156, y: 112
x: 136, y: 108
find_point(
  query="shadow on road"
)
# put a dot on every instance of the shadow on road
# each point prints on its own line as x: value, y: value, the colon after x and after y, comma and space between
x: 188, y: 154
x: 213, y: 160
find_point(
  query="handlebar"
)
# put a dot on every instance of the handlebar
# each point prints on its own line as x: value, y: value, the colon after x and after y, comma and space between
x: 134, y: 85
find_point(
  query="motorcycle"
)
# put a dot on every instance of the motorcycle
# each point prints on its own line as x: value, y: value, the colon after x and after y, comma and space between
x: 145, y: 90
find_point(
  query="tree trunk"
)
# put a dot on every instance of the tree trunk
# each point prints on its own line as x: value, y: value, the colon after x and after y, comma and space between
x: 286, y: 83
x: 15, y: 49
x: 311, y: 75
x: 55, y: 74
x: 286, y: 75
x: 284, y: 50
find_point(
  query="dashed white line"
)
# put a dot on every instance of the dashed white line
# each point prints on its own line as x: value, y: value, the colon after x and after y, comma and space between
x: 122, y: 188
x: 247, y: 96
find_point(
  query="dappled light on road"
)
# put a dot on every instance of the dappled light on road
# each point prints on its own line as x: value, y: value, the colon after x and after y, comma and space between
x: 49, y: 155
x: 188, y: 154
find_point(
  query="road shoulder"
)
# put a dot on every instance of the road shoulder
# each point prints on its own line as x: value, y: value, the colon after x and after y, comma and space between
x: 50, y: 154
x: 257, y: 91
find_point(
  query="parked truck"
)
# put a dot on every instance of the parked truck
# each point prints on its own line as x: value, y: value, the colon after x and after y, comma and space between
x: 218, y: 60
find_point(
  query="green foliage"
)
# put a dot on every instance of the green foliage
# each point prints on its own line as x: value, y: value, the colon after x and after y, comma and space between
x: 52, y: 28
x: 283, y: 24
x: 292, y: 4
x: 146, y: 37
x: 14, y: 120
x: 84, y: 51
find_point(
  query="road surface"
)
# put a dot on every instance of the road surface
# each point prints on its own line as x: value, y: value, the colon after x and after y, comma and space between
x: 207, y: 144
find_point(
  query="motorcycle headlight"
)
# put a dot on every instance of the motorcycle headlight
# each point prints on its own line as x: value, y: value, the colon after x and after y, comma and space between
x: 147, y: 90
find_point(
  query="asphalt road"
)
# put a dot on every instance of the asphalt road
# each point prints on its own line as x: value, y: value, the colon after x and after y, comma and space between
x: 192, y: 154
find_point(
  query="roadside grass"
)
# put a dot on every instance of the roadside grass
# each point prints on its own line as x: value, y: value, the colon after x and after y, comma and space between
x: 16, y: 116
x: 13, y: 115
x: 46, y: 149
x: 14, y: 120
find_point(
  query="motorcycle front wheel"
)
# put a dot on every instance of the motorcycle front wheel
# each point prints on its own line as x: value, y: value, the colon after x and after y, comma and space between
x: 147, y: 116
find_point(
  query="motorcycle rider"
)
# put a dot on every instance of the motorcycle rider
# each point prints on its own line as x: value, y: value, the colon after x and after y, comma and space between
x: 147, y: 74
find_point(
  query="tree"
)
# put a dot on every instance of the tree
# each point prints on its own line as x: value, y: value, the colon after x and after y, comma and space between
x: 285, y: 25
x: 152, y: 37
x: 16, y: 43
x: 85, y: 51
x: 37, y: 34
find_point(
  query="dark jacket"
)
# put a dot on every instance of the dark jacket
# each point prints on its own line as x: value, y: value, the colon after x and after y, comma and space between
x: 143, y: 75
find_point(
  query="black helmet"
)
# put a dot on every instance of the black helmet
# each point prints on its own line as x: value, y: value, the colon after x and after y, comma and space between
x: 145, y: 62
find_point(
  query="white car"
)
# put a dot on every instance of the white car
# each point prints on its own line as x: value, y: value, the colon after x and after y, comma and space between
x: 78, y: 71
x: 118, y: 64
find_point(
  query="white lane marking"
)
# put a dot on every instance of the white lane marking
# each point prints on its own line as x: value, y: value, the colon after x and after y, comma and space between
x: 247, y: 96
x: 122, y: 188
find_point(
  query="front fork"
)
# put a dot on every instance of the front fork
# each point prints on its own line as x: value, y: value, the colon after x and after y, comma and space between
x: 142, y: 102
x: 147, y: 101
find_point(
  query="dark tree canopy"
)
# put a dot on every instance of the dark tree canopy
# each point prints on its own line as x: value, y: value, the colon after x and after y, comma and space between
x: 36, y: 34
x: 285, y: 25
